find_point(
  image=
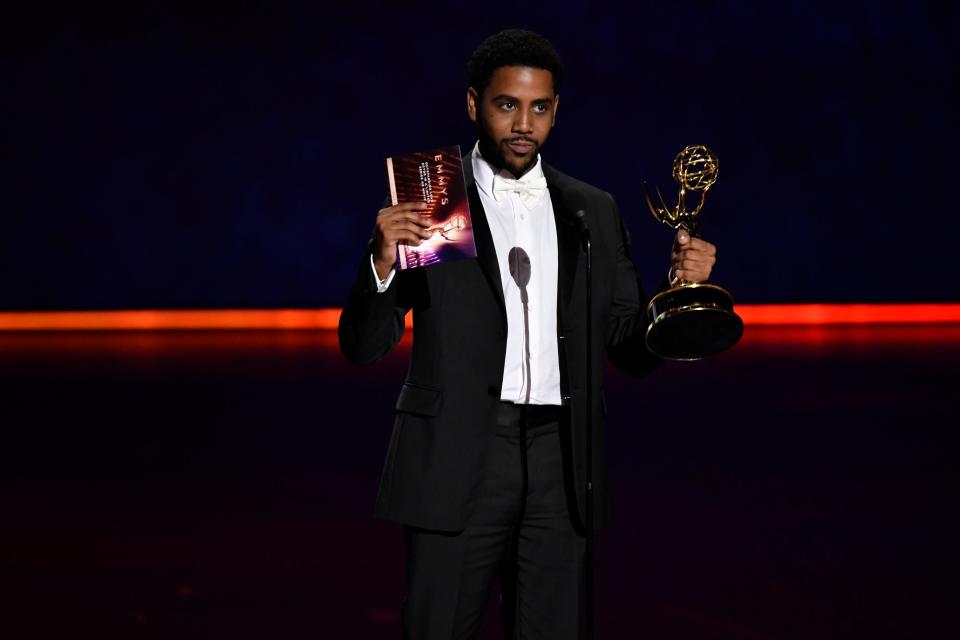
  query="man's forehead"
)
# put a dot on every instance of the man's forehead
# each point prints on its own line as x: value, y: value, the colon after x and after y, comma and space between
x: 509, y: 79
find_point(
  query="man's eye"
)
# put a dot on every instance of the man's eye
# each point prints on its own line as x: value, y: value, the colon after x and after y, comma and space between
x: 507, y: 105
x: 540, y: 107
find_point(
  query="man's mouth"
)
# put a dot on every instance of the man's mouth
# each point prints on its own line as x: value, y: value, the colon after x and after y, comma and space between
x: 521, y: 147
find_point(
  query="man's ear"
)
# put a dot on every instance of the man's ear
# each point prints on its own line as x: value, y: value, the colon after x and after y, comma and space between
x: 556, y: 103
x: 473, y: 98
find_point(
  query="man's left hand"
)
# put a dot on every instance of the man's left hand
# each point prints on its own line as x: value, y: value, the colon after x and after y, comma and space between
x: 692, y: 258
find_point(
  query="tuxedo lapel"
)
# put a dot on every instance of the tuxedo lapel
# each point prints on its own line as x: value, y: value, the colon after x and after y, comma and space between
x: 568, y: 240
x: 486, y: 251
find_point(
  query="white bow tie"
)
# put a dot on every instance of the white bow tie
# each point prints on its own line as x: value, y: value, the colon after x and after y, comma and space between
x: 530, y: 191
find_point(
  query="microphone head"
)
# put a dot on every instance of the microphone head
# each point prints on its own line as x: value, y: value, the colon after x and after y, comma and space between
x: 577, y: 202
x: 519, y: 263
x: 580, y: 217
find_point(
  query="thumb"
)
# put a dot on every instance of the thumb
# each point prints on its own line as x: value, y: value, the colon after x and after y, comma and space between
x: 683, y: 237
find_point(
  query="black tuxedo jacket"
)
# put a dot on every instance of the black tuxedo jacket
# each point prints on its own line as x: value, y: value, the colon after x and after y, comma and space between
x: 447, y: 406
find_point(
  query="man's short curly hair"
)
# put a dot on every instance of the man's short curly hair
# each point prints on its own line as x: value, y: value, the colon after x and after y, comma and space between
x: 513, y: 48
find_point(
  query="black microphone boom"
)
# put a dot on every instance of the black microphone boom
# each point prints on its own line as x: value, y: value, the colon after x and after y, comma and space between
x: 580, y: 221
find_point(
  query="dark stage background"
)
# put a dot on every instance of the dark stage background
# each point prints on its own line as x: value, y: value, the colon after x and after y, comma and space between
x: 231, y: 154
x: 221, y: 484
x: 193, y: 486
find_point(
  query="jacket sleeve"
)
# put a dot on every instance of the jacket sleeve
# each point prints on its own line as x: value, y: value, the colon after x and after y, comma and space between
x: 627, y: 321
x: 371, y: 323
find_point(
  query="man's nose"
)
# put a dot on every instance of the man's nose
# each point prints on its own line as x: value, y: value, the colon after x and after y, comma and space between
x: 523, y: 122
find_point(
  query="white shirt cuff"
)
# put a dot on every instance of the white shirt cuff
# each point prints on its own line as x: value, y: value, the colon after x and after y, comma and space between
x: 384, y: 284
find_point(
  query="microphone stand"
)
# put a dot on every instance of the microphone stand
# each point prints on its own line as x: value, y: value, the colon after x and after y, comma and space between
x: 580, y: 216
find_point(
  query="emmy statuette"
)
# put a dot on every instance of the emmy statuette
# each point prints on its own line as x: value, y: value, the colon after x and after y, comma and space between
x: 690, y: 321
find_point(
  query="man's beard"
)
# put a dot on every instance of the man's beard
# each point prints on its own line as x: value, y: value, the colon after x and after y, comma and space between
x: 493, y: 152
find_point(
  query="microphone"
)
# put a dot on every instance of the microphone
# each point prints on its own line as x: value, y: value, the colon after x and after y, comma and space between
x: 576, y: 202
x: 519, y: 263
x: 580, y: 220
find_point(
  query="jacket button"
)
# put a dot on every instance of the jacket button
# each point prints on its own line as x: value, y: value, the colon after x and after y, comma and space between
x: 493, y: 391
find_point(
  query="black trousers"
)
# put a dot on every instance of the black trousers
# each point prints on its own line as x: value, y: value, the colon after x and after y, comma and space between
x: 521, y: 531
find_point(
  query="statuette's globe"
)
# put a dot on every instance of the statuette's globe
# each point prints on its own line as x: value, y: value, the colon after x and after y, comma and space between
x: 695, y: 168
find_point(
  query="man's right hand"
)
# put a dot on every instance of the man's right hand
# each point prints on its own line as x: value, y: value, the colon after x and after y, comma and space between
x: 399, y: 223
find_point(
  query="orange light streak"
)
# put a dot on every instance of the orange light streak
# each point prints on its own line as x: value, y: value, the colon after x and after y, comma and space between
x: 317, y: 319
x: 169, y: 319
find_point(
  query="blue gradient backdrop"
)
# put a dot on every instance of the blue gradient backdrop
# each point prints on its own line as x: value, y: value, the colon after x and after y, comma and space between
x: 155, y: 156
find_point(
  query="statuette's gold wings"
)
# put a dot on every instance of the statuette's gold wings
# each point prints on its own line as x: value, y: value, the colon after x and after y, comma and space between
x: 695, y: 169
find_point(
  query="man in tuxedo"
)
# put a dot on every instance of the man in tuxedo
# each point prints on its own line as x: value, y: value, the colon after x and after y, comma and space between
x: 485, y: 467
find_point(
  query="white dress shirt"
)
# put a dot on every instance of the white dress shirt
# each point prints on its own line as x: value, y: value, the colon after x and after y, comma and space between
x: 524, y: 219
x: 532, y: 227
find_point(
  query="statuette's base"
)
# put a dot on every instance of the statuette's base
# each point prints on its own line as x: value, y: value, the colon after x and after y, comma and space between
x: 692, y: 321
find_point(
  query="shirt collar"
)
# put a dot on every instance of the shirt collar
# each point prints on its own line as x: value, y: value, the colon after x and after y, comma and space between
x: 483, y: 171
